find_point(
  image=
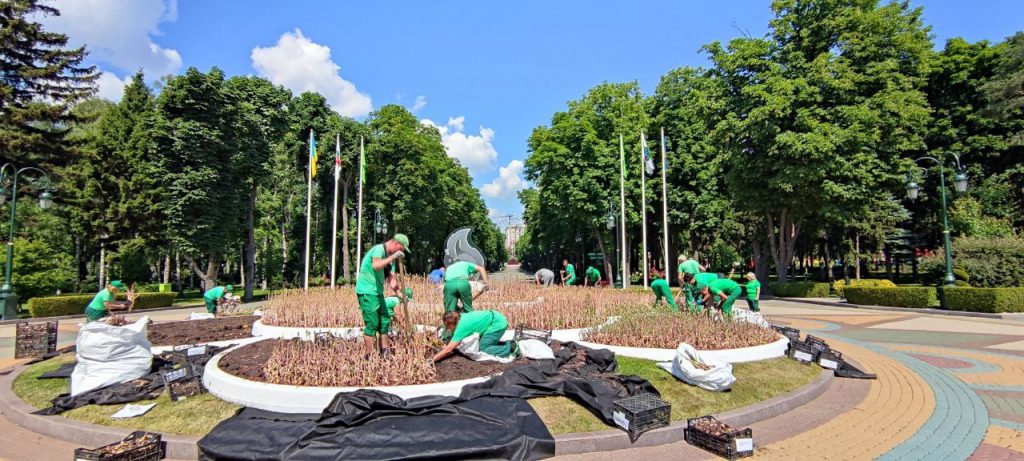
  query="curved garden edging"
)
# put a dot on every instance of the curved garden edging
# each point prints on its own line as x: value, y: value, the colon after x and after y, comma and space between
x: 744, y: 354
x: 305, y: 399
x: 184, y: 447
x: 222, y: 343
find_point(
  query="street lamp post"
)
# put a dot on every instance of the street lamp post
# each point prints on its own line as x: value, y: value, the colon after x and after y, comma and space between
x: 612, y: 224
x: 10, y: 179
x: 380, y: 225
x: 960, y: 184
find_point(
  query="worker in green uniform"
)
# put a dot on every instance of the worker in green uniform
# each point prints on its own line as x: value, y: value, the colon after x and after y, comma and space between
x: 491, y: 325
x: 568, y: 273
x: 662, y: 290
x: 376, y: 268
x: 724, y: 292
x: 592, y: 276
x: 695, y: 286
x: 456, y: 285
x: 213, y: 294
x: 104, y: 302
x: 753, y: 288
x: 391, y: 302
x: 688, y: 266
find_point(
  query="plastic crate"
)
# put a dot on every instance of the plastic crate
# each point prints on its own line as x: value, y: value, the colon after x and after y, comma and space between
x: 817, y: 343
x: 525, y: 332
x: 641, y: 413
x: 33, y: 340
x: 830, y: 359
x: 183, y: 382
x: 802, y: 351
x: 736, y: 443
x: 151, y: 450
x: 792, y: 333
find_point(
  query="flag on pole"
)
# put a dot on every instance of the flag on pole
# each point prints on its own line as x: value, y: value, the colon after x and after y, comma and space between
x: 337, y: 158
x: 648, y: 161
x: 312, y: 153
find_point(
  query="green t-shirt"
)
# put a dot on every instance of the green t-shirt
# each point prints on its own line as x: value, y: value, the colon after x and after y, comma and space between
x: 703, y: 279
x: 390, y: 302
x: 369, y: 281
x: 752, y: 287
x: 593, y: 274
x: 214, y: 293
x: 726, y: 286
x: 459, y: 270
x: 482, y: 322
x: 570, y: 271
x: 689, y: 266
x: 103, y: 296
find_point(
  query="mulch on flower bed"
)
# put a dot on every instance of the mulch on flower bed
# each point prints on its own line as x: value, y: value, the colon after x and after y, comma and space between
x: 201, y: 331
x: 248, y: 362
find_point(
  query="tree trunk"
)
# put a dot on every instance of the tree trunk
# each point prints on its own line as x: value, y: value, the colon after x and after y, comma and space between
x: 782, y: 243
x: 856, y: 251
x: 284, y: 252
x: 761, y: 265
x: 78, y: 264
x: 249, y: 255
x: 177, y: 272
x: 209, y: 276
x: 609, y: 275
x: 263, y: 267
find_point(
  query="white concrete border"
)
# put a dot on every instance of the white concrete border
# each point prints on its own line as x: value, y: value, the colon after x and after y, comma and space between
x: 227, y: 342
x: 304, y: 399
x: 744, y: 354
x: 271, y: 331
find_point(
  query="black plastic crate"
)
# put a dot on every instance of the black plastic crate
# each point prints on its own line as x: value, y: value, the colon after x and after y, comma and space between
x: 33, y: 340
x: 802, y: 351
x: 830, y: 359
x: 641, y: 413
x: 817, y: 343
x: 792, y: 333
x: 731, y: 444
x: 525, y: 332
x: 150, y: 449
x: 183, y: 382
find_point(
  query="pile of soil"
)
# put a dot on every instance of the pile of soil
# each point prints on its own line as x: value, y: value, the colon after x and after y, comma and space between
x: 248, y: 362
x: 201, y: 331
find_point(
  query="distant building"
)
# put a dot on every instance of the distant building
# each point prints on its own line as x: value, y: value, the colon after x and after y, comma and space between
x: 512, y: 235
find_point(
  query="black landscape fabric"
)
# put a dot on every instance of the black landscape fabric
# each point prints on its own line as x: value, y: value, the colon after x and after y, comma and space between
x: 489, y: 420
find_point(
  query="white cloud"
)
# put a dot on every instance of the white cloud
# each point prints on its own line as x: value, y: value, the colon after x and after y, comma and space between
x: 119, y: 32
x: 473, y: 151
x: 110, y: 87
x: 492, y: 213
x: 301, y: 65
x: 508, y: 182
x: 421, y: 102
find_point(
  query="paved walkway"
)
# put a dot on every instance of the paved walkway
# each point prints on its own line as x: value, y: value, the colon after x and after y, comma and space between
x: 948, y: 388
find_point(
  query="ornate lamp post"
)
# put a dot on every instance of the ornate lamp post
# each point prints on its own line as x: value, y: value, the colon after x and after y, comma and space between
x: 612, y: 224
x: 960, y: 184
x: 380, y: 225
x: 9, y: 175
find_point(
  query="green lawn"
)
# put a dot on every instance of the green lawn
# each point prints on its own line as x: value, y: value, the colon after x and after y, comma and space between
x: 197, y: 415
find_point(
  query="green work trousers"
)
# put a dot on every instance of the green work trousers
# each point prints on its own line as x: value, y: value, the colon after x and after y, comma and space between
x: 94, y: 314
x: 752, y: 304
x: 211, y: 305
x: 456, y: 290
x: 664, y: 292
x: 375, y: 314
x: 491, y: 343
x: 727, y: 305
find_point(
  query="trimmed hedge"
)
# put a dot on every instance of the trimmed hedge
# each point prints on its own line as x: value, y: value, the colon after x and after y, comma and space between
x: 52, y: 306
x: 896, y: 297
x: 840, y: 285
x: 985, y: 299
x: 800, y: 290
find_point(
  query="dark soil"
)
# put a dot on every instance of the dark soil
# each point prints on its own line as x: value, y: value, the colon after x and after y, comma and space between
x: 201, y: 331
x: 248, y: 362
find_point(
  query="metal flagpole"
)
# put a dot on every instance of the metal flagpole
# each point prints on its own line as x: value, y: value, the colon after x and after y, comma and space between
x: 334, y: 219
x: 664, y: 203
x: 643, y: 203
x: 309, y: 207
x: 359, y: 209
x: 622, y: 207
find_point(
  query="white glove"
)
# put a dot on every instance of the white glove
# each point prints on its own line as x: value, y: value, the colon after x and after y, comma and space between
x: 399, y: 254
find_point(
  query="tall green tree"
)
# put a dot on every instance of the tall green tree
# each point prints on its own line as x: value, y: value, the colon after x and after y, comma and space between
x: 40, y: 80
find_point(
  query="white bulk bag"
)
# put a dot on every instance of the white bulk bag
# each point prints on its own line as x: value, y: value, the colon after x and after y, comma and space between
x: 536, y: 349
x: 743, y: 315
x: 110, y: 355
x: 718, y: 378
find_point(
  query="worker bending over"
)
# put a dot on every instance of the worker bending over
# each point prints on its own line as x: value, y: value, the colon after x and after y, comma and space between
x: 489, y: 324
x: 456, y: 285
x: 104, y: 302
x: 592, y: 276
x: 662, y: 290
x: 724, y: 292
x: 215, y: 294
x: 544, y: 277
x: 696, y: 286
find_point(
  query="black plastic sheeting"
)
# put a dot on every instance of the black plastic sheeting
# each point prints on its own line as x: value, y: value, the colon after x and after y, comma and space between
x: 145, y: 388
x: 850, y: 371
x: 489, y: 420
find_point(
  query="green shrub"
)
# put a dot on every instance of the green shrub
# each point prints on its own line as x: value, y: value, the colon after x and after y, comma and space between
x: 897, y: 297
x: 986, y: 263
x: 800, y: 289
x: 840, y: 285
x: 52, y: 306
x: 985, y: 299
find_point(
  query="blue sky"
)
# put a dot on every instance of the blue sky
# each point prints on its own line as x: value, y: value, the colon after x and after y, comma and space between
x: 485, y: 73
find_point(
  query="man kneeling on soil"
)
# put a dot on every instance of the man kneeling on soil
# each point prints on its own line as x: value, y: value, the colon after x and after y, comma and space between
x: 456, y: 285
x: 490, y: 325
x: 376, y: 267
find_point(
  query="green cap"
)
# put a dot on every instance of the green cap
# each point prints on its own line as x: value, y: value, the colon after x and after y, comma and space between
x: 229, y: 288
x: 401, y: 238
x: 408, y: 293
x: 117, y: 284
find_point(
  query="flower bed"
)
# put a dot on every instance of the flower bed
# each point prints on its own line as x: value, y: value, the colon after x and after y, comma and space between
x: 201, y: 331
x: 649, y: 329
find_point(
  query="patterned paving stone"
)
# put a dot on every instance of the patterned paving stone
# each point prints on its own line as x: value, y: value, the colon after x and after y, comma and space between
x: 1007, y: 438
x: 941, y: 362
x: 987, y: 452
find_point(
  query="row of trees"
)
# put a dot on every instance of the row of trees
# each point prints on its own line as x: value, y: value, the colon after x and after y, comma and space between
x: 205, y: 174
x: 792, y: 147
